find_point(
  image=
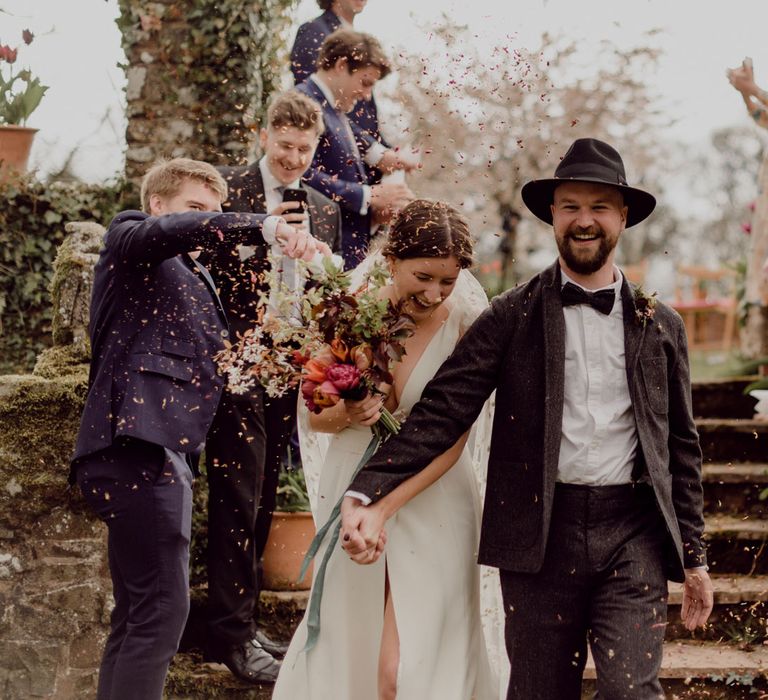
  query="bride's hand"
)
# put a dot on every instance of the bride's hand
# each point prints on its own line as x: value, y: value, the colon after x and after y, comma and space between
x: 362, y: 530
x: 364, y: 412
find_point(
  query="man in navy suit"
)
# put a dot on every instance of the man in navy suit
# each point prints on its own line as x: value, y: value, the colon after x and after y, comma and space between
x: 156, y: 325
x: 338, y: 14
x: 349, y: 65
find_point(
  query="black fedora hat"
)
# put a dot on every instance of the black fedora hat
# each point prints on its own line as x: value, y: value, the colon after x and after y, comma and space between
x: 588, y: 160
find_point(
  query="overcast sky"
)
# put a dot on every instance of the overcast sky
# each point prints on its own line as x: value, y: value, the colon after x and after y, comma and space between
x: 77, y: 51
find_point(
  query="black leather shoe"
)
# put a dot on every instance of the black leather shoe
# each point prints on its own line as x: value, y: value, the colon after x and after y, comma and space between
x: 249, y: 662
x: 277, y: 649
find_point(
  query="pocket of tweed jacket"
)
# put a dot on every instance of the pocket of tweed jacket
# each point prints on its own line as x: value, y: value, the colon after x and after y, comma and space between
x: 654, y: 371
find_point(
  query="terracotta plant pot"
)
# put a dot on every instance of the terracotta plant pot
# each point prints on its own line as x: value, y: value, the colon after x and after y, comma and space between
x: 15, y: 145
x: 289, y: 538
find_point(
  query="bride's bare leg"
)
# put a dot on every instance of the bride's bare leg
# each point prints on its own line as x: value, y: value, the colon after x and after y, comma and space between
x: 389, y: 655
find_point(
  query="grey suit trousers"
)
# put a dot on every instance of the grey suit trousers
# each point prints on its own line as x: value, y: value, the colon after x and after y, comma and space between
x: 602, y: 582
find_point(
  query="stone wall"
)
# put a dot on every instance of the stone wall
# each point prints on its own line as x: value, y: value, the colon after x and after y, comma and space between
x: 55, y: 590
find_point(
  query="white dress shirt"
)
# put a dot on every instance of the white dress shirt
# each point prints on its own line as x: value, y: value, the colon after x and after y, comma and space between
x: 599, y: 435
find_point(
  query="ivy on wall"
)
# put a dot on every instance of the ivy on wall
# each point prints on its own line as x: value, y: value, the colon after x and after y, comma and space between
x: 200, y: 73
x: 32, y: 221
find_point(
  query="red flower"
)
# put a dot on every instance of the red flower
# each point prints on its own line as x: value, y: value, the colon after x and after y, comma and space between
x: 8, y: 54
x: 343, y: 377
x: 27, y: 36
x: 747, y: 228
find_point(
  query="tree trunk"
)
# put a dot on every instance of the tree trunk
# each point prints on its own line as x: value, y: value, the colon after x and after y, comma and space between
x: 199, y: 75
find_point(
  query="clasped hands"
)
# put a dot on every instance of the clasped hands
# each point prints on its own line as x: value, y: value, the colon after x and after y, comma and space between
x: 363, y: 536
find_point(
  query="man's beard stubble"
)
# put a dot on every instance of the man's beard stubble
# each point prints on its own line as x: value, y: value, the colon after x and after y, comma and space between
x: 585, y: 265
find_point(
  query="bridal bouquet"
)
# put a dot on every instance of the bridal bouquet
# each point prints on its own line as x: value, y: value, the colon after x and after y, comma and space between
x: 338, y: 344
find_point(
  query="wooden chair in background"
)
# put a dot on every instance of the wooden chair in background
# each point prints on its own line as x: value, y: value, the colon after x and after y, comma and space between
x: 706, y: 299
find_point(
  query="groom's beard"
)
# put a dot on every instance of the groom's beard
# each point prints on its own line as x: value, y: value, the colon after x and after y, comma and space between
x: 581, y: 261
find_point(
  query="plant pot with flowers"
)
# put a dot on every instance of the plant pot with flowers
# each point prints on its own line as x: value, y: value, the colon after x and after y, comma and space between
x: 290, y: 535
x: 20, y: 94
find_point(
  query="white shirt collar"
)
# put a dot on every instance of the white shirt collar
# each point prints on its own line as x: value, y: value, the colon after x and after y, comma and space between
x: 269, y: 180
x: 327, y: 93
x: 618, y: 278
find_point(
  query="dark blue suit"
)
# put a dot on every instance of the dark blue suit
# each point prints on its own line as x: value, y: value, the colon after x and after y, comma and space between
x: 156, y: 323
x: 338, y: 171
x: 304, y: 54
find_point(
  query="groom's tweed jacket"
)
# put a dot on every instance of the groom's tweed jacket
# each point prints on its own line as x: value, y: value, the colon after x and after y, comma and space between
x: 517, y: 347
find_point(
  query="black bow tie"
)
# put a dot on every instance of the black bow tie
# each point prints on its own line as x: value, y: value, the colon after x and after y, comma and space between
x: 602, y: 301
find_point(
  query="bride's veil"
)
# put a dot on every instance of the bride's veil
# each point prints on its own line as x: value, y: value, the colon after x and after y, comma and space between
x: 469, y: 300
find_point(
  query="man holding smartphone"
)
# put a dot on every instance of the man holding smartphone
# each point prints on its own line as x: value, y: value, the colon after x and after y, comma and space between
x: 250, y: 432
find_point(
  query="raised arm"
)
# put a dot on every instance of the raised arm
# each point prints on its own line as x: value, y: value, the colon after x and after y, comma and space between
x: 139, y: 239
x: 755, y: 99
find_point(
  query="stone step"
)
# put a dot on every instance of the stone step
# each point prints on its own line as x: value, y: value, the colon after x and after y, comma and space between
x: 689, y: 670
x: 733, y: 439
x: 189, y: 678
x: 723, y: 398
x: 735, y: 488
x: 696, y: 670
x: 736, y: 545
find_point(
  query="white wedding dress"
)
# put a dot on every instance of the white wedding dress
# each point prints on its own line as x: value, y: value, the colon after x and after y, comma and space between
x: 430, y: 559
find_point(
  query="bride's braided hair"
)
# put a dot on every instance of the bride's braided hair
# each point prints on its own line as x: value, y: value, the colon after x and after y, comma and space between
x: 429, y: 229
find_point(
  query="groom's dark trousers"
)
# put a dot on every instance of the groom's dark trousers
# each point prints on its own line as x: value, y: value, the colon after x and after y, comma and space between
x: 603, y: 572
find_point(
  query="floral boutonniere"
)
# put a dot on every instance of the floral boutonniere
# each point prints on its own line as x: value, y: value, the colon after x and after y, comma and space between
x: 645, y: 306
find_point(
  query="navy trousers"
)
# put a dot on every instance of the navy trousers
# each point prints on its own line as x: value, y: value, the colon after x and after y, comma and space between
x: 602, y: 582
x: 143, y: 493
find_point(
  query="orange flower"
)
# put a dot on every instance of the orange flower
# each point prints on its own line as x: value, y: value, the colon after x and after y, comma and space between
x: 340, y: 350
x: 314, y: 370
x: 362, y: 356
x: 325, y: 395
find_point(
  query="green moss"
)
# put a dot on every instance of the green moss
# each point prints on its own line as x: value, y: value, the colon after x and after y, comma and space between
x: 39, y: 419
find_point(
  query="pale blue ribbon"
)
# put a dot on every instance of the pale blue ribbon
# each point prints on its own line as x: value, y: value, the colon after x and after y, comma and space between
x: 313, y: 609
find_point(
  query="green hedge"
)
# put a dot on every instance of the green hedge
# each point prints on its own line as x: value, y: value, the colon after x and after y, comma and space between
x: 32, y: 221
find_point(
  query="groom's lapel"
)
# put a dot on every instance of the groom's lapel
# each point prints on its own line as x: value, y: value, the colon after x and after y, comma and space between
x: 554, y: 366
x: 634, y: 332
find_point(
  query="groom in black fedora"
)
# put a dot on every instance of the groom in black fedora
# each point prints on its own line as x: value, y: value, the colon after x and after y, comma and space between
x: 594, y: 496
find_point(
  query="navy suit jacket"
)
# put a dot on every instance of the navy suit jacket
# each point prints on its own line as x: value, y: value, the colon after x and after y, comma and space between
x: 338, y: 171
x: 304, y: 53
x: 156, y: 323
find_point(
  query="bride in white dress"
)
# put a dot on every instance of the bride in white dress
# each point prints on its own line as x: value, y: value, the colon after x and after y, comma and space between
x: 409, y: 626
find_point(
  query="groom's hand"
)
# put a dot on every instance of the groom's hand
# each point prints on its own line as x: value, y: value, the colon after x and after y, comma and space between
x: 698, y: 598
x: 362, y: 531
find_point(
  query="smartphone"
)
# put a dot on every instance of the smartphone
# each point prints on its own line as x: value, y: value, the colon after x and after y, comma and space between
x: 291, y: 194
